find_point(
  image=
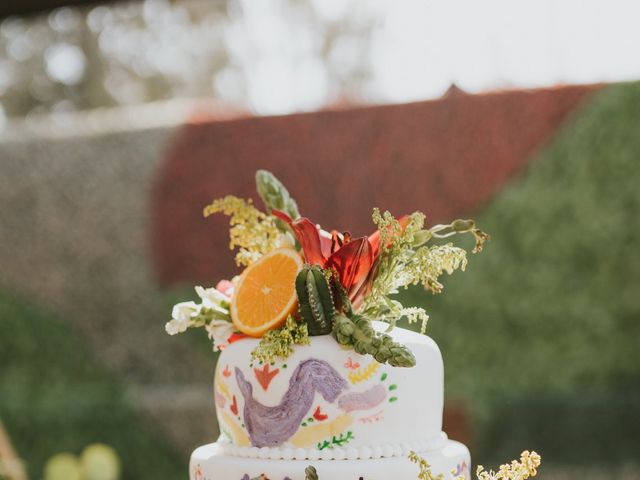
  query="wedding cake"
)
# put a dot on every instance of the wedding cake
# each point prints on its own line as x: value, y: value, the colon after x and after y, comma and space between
x: 349, y: 415
x: 314, y: 380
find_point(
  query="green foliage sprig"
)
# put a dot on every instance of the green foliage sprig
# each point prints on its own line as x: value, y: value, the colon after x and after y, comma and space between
x: 406, y: 260
x: 275, y: 195
x: 336, y: 441
x: 278, y: 343
x: 461, y: 226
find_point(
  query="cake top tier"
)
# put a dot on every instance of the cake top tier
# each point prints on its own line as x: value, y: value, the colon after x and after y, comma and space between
x: 300, y: 281
x: 327, y: 402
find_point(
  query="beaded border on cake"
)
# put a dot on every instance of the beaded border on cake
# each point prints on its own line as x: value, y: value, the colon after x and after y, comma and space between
x: 384, y: 450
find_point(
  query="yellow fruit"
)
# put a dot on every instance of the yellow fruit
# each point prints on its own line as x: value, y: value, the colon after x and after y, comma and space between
x: 62, y: 466
x: 100, y: 462
x: 265, y: 294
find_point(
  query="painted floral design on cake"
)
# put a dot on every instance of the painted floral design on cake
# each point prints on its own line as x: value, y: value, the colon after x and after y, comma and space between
x: 271, y: 426
x: 297, y: 419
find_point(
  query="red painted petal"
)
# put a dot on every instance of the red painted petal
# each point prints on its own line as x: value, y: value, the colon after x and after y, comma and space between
x: 235, y: 337
x: 308, y: 236
x: 352, y: 262
x: 265, y: 376
x: 318, y: 415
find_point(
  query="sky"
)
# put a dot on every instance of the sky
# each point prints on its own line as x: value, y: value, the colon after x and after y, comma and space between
x: 489, y: 44
x: 421, y: 47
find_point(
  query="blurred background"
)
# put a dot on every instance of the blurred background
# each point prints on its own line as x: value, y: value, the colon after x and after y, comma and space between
x: 120, y: 120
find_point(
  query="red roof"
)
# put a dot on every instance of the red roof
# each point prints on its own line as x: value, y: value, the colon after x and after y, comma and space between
x: 446, y: 157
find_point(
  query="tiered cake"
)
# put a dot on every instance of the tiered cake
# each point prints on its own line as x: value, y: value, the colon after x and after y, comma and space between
x: 345, y: 413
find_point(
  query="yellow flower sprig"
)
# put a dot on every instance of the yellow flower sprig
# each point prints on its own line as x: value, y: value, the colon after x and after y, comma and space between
x: 429, y: 263
x: 364, y: 374
x: 425, y: 468
x: 252, y: 231
x: 525, y: 468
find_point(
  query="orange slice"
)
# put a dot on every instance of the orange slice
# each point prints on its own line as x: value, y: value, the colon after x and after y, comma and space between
x: 265, y: 294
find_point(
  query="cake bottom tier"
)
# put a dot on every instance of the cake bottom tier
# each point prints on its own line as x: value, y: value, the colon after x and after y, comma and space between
x: 209, y: 463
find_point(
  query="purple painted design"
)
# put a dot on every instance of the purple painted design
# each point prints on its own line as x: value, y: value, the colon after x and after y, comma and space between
x: 462, y: 469
x: 271, y: 426
x: 363, y: 400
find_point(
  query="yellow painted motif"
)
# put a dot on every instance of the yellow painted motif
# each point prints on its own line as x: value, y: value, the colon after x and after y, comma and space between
x: 222, y: 387
x: 364, y: 374
x: 240, y: 437
x: 310, y: 436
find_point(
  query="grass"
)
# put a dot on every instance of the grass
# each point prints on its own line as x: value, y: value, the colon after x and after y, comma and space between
x: 540, y: 335
x: 55, y: 396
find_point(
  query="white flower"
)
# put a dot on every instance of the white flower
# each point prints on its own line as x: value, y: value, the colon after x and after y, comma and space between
x: 212, y: 298
x: 184, y: 311
x: 174, y: 327
x: 181, y: 317
x: 219, y: 331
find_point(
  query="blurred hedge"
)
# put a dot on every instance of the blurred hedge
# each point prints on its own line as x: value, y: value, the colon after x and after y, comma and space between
x: 581, y: 427
x: 54, y: 396
x: 541, y: 333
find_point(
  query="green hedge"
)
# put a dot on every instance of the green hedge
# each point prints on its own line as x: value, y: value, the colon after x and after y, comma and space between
x: 55, y: 396
x: 580, y: 427
x: 552, y: 307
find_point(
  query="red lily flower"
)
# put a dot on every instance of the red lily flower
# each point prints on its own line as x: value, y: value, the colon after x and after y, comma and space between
x: 354, y: 260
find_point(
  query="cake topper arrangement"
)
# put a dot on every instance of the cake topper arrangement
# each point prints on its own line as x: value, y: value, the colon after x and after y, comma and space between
x: 300, y: 280
x: 326, y: 402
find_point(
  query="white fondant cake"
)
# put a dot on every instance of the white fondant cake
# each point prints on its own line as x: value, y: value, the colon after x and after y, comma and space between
x: 326, y: 405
